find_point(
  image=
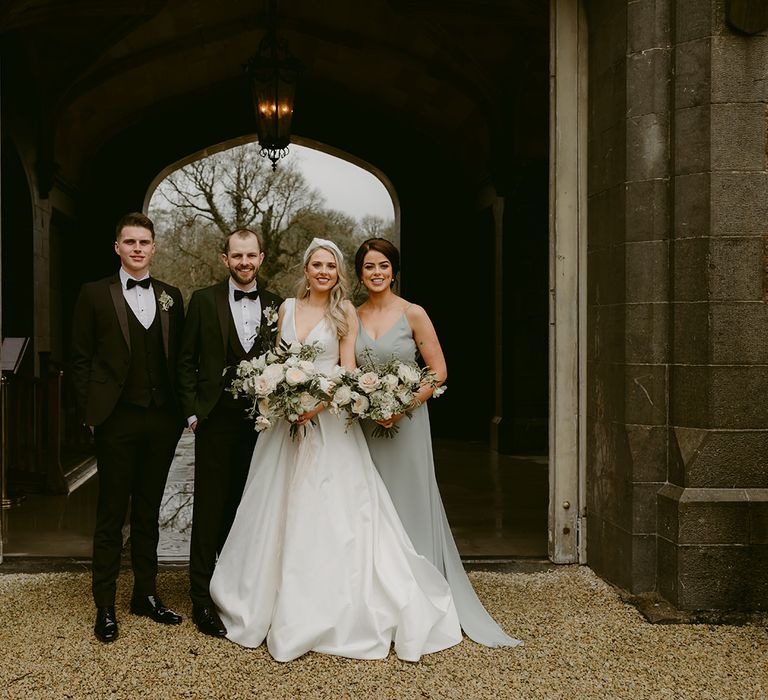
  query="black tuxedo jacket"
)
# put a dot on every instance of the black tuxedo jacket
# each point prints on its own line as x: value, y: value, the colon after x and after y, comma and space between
x: 203, y: 354
x: 101, y: 344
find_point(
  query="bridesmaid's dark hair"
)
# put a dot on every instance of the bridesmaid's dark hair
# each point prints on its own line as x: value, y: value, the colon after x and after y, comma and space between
x: 380, y: 245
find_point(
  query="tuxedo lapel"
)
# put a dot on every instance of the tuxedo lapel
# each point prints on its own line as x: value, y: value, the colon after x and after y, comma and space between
x: 164, y: 317
x: 118, y: 300
x: 222, y: 311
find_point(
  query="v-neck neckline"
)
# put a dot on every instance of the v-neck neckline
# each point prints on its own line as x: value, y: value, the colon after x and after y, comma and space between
x: 386, y: 332
x: 311, y: 330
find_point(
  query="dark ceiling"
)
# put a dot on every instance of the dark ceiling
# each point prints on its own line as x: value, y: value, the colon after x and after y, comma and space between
x: 465, y: 76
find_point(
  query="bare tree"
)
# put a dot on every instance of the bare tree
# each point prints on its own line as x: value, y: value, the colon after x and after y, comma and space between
x: 285, y: 265
x: 376, y: 227
x: 197, y: 206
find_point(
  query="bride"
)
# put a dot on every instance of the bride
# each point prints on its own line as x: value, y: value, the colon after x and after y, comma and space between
x: 317, y: 558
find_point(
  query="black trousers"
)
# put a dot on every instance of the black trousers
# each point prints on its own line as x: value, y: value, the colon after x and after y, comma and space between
x: 224, y: 445
x: 134, y: 450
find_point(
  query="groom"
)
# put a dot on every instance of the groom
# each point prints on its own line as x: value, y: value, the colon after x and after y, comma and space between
x: 228, y: 322
x: 125, y: 337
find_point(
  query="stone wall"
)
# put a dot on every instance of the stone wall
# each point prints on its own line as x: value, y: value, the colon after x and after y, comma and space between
x: 678, y: 373
x: 713, y: 517
x: 628, y: 317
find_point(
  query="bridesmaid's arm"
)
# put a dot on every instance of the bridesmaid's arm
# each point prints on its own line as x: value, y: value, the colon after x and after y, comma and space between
x: 425, y: 337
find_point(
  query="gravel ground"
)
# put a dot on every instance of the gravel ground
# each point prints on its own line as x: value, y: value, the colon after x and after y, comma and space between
x: 581, y: 641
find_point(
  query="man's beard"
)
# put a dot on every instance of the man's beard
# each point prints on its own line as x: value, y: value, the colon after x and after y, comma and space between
x: 237, y: 275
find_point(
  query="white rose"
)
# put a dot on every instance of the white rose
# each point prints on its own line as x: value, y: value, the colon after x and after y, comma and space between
x: 326, y: 385
x: 369, y: 381
x: 274, y: 373
x: 390, y: 381
x: 294, y: 376
x: 264, y: 408
x: 262, y: 423
x: 307, y: 401
x: 360, y: 403
x: 408, y: 374
x: 262, y: 385
x: 342, y: 396
x: 271, y: 357
x: 259, y: 363
x: 337, y: 373
x: 439, y: 390
x: 307, y: 367
x: 294, y: 348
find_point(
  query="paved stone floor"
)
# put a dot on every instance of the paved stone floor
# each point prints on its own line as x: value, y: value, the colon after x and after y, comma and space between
x: 497, y: 506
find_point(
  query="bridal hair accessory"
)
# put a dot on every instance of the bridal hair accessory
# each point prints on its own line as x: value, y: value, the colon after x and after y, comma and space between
x: 323, y: 243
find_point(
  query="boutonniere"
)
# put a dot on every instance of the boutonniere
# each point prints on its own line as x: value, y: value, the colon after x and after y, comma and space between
x: 270, y: 314
x: 166, y: 301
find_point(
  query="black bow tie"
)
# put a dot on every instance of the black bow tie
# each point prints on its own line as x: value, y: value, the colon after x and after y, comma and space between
x: 131, y: 283
x: 253, y: 296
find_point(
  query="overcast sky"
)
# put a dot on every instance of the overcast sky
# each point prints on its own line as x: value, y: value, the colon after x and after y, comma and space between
x: 345, y: 186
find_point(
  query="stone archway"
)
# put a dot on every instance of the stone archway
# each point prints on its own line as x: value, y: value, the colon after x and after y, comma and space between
x: 449, y: 101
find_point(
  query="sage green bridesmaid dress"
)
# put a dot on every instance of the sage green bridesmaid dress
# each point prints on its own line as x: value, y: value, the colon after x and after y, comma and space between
x: 406, y: 466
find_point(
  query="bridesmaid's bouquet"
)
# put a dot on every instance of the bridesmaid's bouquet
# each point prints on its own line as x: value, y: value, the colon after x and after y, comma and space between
x: 380, y: 390
x: 282, y: 383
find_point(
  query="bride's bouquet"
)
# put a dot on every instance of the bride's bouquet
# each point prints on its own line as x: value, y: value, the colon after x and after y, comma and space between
x: 379, y: 391
x: 282, y: 383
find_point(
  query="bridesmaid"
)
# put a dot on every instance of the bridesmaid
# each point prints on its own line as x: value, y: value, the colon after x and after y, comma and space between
x: 389, y: 325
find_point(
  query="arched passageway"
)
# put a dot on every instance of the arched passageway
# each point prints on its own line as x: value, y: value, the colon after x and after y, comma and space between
x: 450, y: 103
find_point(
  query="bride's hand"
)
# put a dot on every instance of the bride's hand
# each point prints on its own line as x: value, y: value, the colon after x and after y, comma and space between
x: 309, y: 415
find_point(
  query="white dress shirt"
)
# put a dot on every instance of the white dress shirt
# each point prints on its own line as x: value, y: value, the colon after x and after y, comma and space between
x: 246, y: 314
x: 142, y: 301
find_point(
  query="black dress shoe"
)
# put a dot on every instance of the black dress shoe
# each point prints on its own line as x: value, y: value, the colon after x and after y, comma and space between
x: 105, y: 628
x: 152, y: 606
x: 208, y: 621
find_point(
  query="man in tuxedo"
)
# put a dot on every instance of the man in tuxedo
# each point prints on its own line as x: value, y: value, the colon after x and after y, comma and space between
x: 125, y: 338
x: 227, y: 322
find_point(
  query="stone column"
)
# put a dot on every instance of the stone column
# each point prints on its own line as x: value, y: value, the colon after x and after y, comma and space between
x: 628, y: 275
x: 713, y: 514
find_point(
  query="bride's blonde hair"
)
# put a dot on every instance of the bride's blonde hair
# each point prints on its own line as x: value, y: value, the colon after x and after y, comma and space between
x: 334, y: 313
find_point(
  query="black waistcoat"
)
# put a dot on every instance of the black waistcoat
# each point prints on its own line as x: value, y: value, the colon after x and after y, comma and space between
x: 235, y: 353
x: 147, y: 381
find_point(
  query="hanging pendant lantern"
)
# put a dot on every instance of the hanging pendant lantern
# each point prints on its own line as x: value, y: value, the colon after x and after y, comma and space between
x: 273, y: 73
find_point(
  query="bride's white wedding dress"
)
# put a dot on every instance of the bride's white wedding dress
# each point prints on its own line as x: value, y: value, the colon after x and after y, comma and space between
x: 317, y: 558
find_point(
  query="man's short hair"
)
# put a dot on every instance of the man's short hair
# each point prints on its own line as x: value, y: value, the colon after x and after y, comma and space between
x: 135, y: 218
x: 244, y: 233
